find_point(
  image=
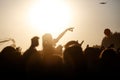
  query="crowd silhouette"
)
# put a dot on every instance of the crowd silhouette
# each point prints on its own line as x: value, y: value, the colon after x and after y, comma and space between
x: 54, y: 62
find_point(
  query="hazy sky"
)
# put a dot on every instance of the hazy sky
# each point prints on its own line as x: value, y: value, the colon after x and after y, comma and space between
x: 87, y: 16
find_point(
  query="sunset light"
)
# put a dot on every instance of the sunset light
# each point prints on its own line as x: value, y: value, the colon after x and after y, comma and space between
x: 50, y: 15
x: 59, y: 39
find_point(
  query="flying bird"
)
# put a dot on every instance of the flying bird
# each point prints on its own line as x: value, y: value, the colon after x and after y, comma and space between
x: 103, y: 2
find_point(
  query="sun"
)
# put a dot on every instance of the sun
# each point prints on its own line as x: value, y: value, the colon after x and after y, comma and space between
x: 49, y: 16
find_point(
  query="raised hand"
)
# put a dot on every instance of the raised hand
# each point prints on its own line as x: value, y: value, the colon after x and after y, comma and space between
x: 70, y: 29
x: 60, y: 36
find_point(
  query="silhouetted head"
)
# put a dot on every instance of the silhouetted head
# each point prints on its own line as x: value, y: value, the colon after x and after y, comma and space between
x: 72, y: 53
x: 47, y: 39
x: 107, y: 32
x: 35, y: 41
x: 108, y: 53
x: 71, y: 43
x: 8, y: 49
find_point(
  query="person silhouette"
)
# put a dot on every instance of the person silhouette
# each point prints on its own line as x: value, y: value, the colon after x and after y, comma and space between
x: 111, y: 40
x: 49, y: 43
x: 32, y: 49
x: 32, y: 59
x: 10, y: 63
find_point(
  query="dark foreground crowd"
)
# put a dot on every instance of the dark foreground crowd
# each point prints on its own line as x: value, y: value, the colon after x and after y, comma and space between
x: 62, y: 62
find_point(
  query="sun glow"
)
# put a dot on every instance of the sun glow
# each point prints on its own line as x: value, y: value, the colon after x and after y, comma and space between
x: 50, y: 15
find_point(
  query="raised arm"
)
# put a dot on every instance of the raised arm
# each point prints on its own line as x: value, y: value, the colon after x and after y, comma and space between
x: 61, y: 35
x: 5, y: 40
